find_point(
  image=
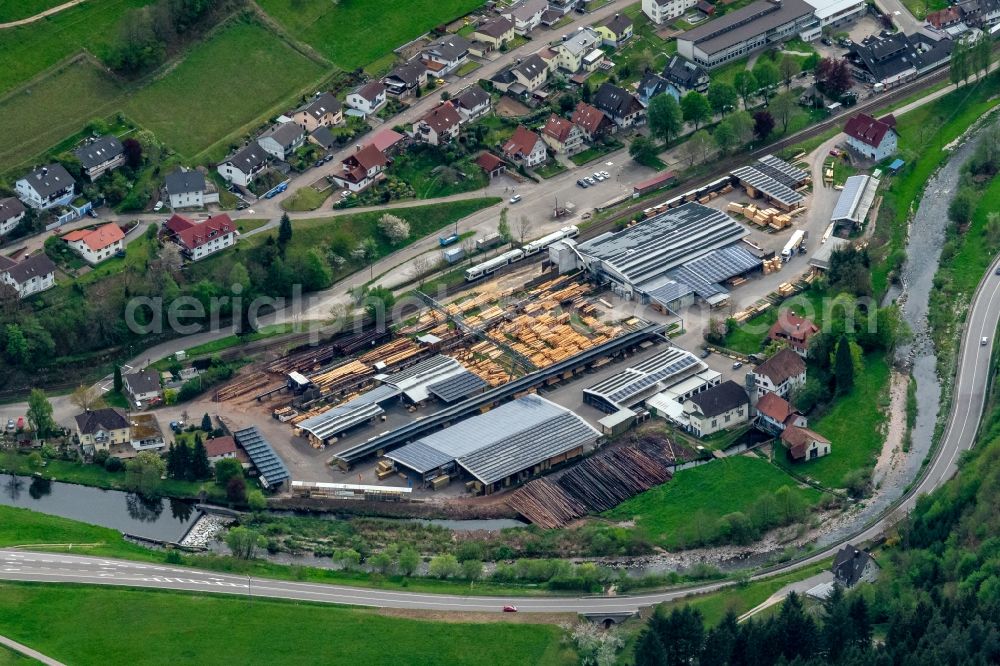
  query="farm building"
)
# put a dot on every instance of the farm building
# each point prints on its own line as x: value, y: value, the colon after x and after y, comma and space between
x: 774, y: 179
x: 669, y: 258
x: 636, y: 383
x: 269, y: 466
x: 502, y: 447
x: 855, y: 201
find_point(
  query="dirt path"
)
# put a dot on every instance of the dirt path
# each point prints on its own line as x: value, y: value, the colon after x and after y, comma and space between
x: 892, y: 449
x: 39, y: 16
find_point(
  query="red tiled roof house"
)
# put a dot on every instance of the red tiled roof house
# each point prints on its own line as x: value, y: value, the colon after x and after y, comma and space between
x: 562, y: 135
x: 873, y: 138
x: 525, y: 148
x: 795, y: 330
x: 96, y: 245
x: 361, y: 169
x: 197, y: 240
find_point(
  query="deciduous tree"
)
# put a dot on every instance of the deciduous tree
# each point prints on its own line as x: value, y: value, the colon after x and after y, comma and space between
x: 722, y: 97
x: 695, y: 108
x: 746, y: 86
x: 40, y: 414
x: 664, y: 117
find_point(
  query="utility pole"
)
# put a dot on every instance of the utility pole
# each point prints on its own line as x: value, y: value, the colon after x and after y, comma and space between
x: 249, y: 593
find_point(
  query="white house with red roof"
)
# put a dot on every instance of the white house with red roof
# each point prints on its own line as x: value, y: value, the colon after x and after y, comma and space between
x: 562, y: 135
x: 525, y: 148
x: 440, y: 126
x: 361, y: 169
x: 200, y: 239
x: 96, y: 245
x: 873, y: 138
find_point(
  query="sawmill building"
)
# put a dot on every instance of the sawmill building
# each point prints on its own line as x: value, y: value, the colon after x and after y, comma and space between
x: 500, y: 448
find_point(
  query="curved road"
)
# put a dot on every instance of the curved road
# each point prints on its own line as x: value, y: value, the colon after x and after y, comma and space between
x: 971, y: 384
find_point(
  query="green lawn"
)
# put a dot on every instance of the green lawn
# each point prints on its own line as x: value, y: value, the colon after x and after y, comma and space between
x: 136, y: 254
x: 233, y: 340
x: 9, y: 658
x: 428, y: 172
x: 305, y: 198
x: 921, y: 8
x: 29, y: 50
x: 155, y: 627
x: 853, y: 426
x: 37, y: 118
x: 15, y: 10
x: 354, y: 33
x: 595, y: 152
x: 749, y: 337
x: 553, y: 168
x: 222, y: 86
x: 21, y: 527
x: 248, y: 224
x: 711, y: 490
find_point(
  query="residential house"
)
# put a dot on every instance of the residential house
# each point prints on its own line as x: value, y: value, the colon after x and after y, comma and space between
x: 980, y: 13
x: 388, y: 141
x: 282, y: 140
x: 664, y: 11
x: 852, y: 565
x: 525, y: 148
x: 592, y: 121
x: 96, y: 245
x: 652, y: 85
x: 28, y: 276
x: 100, y: 428
x: 100, y: 155
x: 523, y: 77
x: 404, y: 80
x: 244, y: 166
x: 525, y: 14
x: 774, y: 414
x: 780, y: 374
x: 197, y: 240
x: 324, y: 110
x: 494, y: 33
x: 472, y: 103
x: 361, y: 169
x: 795, y: 330
x: 945, y: 18
x: 11, y: 213
x: 893, y: 58
x: 615, y: 30
x: 440, y: 126
x: 686, y: 75
x: 143, y: 386
x: 491, y: 164
x: 145, y: 433
x: 571, y: 52
x: 719, y: 407
x: 562, y: 135
x: 367, y: 99
x: 220, y: 448
x: 624, y: 108
x: 445, y: 54
x: 189, y: 189
x: 46, y: 187
x: 803, y: 443
x: 324, y: 138
x: 871, y: 138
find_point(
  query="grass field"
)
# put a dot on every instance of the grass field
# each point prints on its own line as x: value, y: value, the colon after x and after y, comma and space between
x: 921, y: 8
x: 47, y: 617
x: 749, y: 337
x: 710, y: 490
x: 15, y: 10
x: 305, y: 198
x: 39, y: 117
x: 222, y: 85
x: 9, y: 657
x: 853, y: 425
x: 20, y: 527
x: 423, y: 168
x: 355, y: 33
x: 31, y: 49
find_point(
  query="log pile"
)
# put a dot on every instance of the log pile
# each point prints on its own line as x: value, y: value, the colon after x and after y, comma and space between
x: 304, y: 361
x: 597, y: 484
x: 327, y: 380
x: 242, y: 386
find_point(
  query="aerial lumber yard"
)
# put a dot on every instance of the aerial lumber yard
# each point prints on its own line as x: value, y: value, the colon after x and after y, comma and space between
x: 577, y: 331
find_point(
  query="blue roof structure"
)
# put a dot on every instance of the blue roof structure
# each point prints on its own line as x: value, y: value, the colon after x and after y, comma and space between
x: 896, y: 165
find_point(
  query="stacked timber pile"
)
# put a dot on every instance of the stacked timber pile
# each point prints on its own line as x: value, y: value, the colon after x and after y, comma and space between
x: 425, y: 323
x: 485, y: 368
x: 303, y: 361
x: 328, y: 380
x: 597, y: 484
x: 242, y: 386
x: 392, y: 353
x: 545, y: 504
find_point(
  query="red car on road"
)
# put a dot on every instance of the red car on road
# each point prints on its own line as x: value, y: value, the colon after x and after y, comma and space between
x: 510, y: 609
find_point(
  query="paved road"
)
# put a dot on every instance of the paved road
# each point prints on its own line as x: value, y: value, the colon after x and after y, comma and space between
x: 40, y: 15
x: 900, y: 15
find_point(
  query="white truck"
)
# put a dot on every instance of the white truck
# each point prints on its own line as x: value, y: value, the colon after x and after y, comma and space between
x: 793, y: 244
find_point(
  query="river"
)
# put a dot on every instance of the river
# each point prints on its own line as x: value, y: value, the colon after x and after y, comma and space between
x: 160, y: 519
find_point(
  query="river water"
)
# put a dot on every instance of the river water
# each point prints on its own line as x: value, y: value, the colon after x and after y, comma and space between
x: 161, y: 519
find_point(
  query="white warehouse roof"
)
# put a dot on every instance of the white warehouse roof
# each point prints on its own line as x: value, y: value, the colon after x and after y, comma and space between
x: 827, y: 8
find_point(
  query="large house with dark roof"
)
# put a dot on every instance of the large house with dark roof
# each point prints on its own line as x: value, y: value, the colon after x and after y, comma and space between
x: 101, y: 428
x: 361, y: 169
x: 439, y: 126
x: 46, y: 187
x: 621, y: 106
x: 494, y: 33
x: 719, y: 407
x: 404, y: 80
x: 851, y: 566
x: 471, y: 103
x: 29, y: 275
x: 100, y: 155
x: 197, y: 240
x: 11, y: 214
x: 875, y: 139
x: 686, y: 75
x: 189, y: 189
x: 891, y: 59
x: 323, y: 110
x: 781, y: 374
x: 523, y: 77
x: 525, y: 148
x: 282, y: 140
x: 526, y: 14
x: 615, y: 30
x: 445, y: 54
x: 143, y: 385
x: 245, y: 165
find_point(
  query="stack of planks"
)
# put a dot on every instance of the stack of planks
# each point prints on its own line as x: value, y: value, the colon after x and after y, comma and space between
x: 392, y: 353
x: 324, y: 381
x: 242, y: 386
x: 545, y: 504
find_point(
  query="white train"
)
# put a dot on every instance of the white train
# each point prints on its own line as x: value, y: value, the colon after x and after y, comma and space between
x: 489, y: 267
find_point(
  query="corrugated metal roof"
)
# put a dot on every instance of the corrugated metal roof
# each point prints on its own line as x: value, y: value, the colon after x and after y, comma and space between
x: 271, y: 468
x: 669, y: 292
x: 773, y: 189
x: 665, y: 367
x: 704, y: 274
x: 420, y: 457
x: 340, y: 418
x: 782, y: 171
x: 457, y: 387
x: 855, y: 200
x: 414, y: 381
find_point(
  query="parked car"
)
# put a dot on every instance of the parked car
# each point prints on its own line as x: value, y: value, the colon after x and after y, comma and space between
x: 597, y: 176
x: 510, y: 609
x: 514, y: 199
x: 176, y: 426
x: 92, y: 213
x: 345, y: 194
x: 737, y: 365
x: 998, y: 270
x: 10, y: 425
x: 582, y: 183
x: 984, y: 341
x: 606, y: 175
x: 318, y: 163
x: 705, y: 353
x: 590, y: 181
x: 157, y: 206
